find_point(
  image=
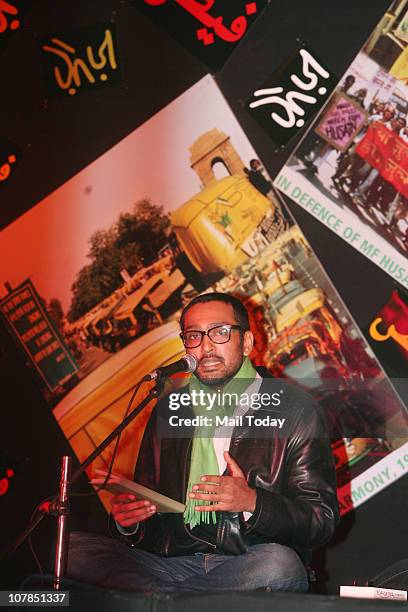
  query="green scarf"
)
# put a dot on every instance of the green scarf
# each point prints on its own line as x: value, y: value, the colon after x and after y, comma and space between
x: 203, y: 457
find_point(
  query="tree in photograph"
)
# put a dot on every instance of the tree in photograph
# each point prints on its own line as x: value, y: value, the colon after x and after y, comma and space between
x: 86, y: 293
x: 56, y: 312
x: 130, y: 243
x: 144, y: 230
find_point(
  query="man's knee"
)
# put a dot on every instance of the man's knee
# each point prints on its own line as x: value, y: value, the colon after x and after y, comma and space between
x: 80, y: 552
x: 81, y: 542
x: 89, y: 555
x: 279, y: 567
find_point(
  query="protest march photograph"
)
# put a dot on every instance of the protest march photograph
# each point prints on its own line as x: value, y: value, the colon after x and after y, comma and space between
x: 351, y: 169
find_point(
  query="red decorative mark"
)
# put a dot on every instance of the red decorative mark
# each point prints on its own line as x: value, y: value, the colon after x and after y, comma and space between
x: 7, y: 9
x: 11, y: 159
x: 4, y: 482
x: 200, y: 10
x: 206, y: 36
x: 4, y: 485
x: 251, y: 8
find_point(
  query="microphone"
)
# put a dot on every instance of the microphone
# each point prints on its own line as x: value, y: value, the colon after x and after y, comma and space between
x: 188, y: 363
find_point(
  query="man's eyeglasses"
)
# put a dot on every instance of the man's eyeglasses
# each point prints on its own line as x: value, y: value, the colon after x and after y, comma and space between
x: 220, y: 334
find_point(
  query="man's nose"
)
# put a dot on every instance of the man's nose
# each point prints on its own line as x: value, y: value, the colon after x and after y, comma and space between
x: 207, y: 344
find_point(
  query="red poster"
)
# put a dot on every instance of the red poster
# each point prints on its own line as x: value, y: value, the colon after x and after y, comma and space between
x: 388, y: 153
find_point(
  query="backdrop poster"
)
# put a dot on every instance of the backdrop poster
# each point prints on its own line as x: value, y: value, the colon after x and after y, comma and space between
x: 209, y: 32
x: 351, y: 170
x: 388, y: 335
x: 167, y: 213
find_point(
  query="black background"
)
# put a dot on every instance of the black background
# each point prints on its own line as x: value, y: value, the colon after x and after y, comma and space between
x: 60, y: 137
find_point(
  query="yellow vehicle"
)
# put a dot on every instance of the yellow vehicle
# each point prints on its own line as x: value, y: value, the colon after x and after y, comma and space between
x: 307, y: 334
x: 90, y: 411
x: 272, y: 283
x: 160, y: 296
x: 101, y: 324
x: 299, y: 307
x: 219, y: 228
x: 304, y: 350
x: 292, y: 302
x: 141, y: 310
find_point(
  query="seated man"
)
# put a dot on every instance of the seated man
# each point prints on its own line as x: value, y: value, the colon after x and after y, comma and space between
x: 259, y: 494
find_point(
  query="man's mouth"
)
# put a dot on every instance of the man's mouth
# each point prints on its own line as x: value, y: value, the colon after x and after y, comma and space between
x: 209, y: 362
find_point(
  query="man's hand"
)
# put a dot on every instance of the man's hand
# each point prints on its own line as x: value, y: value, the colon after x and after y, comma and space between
x: 127, y: 510
x: 231, y: 493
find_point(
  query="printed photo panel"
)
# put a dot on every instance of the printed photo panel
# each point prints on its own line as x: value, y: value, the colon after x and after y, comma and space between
x: 180, y: 206
x: 351, y: 170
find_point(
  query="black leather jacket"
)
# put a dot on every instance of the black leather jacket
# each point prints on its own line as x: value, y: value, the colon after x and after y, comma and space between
x: 294, y: 478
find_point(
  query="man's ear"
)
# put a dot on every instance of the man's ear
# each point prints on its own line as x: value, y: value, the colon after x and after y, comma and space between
x: 248, y: 342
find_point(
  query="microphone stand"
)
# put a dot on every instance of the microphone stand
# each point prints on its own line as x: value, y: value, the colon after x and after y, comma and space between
x: 63, y: 512
x: 61, y: 508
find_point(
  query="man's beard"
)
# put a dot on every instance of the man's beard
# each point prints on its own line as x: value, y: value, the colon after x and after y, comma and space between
x: 212, y: 382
